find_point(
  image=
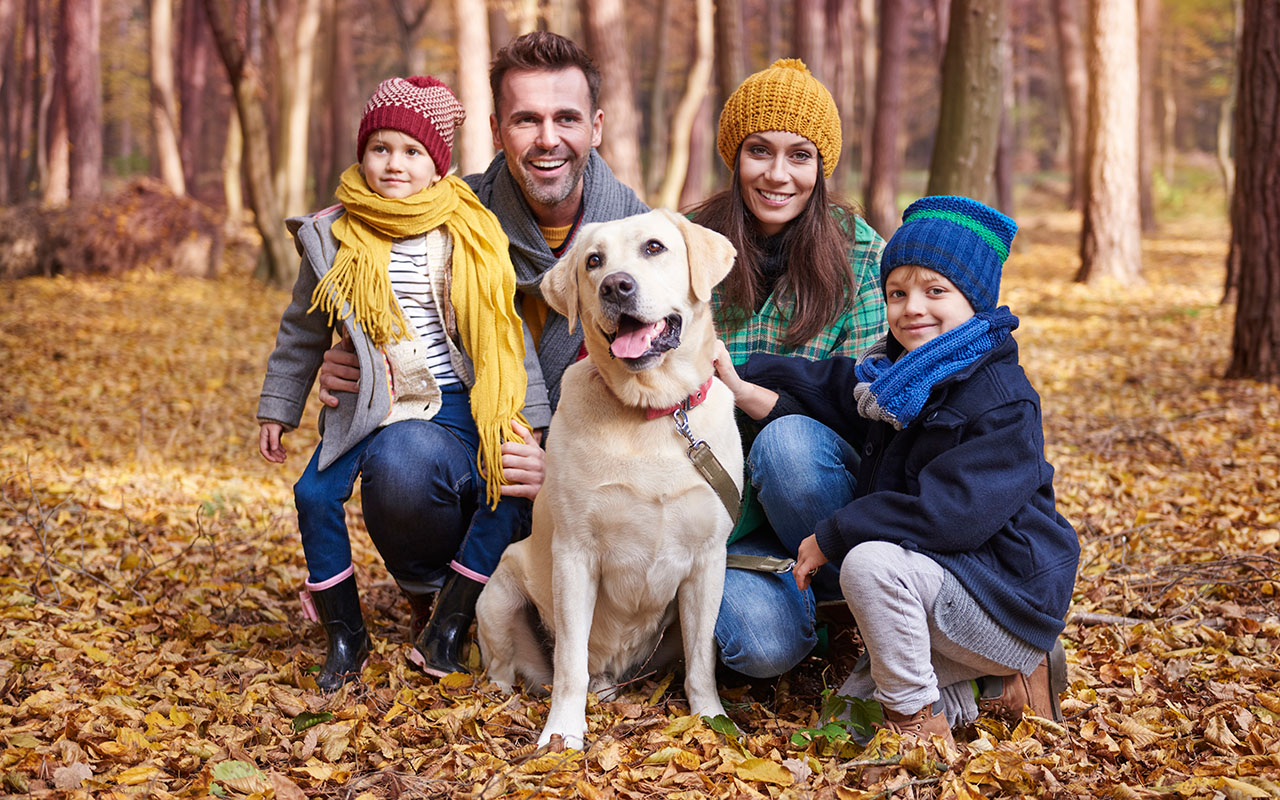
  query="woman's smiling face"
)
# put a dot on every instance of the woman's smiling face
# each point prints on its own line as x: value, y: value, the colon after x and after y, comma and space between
x: 776, y: 173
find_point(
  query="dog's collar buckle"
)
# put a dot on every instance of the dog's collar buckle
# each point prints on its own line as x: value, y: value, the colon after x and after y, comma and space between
x: 692, y: 401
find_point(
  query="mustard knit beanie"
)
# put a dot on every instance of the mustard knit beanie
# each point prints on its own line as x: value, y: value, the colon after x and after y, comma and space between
x: 784, y: 97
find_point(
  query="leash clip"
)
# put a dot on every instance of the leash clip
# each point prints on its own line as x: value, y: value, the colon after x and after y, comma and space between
x: 682, y: 427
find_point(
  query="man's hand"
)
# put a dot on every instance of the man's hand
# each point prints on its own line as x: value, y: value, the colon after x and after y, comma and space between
x: 340, y: 371
x: 269, y: 442
x: 808, y: 560
x: 523, y: 464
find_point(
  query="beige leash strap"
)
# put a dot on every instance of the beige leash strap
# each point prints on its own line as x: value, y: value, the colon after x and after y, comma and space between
x: 710, y: 467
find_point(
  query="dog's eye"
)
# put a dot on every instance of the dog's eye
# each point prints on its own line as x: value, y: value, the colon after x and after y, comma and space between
x: 594, y: 260
x: 653, y: 247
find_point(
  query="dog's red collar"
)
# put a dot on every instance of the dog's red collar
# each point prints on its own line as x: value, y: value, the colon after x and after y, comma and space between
x: 689, y: 402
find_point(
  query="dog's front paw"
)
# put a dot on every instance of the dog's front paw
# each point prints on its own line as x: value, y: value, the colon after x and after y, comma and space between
x: 571, y: 735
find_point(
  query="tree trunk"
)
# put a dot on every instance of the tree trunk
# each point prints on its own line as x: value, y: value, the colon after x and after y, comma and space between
x: 1168, y: 122
x: 8, y: 77
x: 658, y: 102
x: 731, y: 54
x: 55, y: 182
x: 682, y: 120
x: 193, y: 76
x: 232, y: 167
x: 343, y: 108
x: 809, y: 36
x: 1075, y: 91
x: 869, y: 37
x: 1008, y: 138
x: 24, y: 140
x: 1111, y: 242
x: 164, y: 102
x: 773, y: 31
x: 964, y: 152
x: 942, y: 27
x: 1148, y: 141
x: 279, y: 267
x: 702, y: 155
x: 606, y: 35
x: 1255, y: 218
x: 886, y: 153
x: 844, y: 24
x: 296, y: 36
x: 83, y: 20
x: 473, y: 87
x: 412, y: 18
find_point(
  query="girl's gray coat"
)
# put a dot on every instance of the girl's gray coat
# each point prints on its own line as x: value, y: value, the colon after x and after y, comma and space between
x: 303, y: 339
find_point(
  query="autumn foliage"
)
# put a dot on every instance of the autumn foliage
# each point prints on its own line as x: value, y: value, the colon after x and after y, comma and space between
x: 149, y: 564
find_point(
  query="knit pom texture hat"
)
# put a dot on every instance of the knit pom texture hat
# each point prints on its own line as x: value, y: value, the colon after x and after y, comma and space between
x: 784, y: 97
x: 959, y: 238
x: 421, y: 107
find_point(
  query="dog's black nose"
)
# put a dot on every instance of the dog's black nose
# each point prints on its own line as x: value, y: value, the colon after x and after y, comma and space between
x: 617, y: 287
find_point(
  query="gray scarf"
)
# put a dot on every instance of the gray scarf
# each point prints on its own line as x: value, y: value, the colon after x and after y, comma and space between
x: 604, y: 198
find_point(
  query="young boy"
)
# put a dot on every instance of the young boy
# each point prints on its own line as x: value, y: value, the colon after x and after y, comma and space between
x: 417, y: 274
x: 951, y: 553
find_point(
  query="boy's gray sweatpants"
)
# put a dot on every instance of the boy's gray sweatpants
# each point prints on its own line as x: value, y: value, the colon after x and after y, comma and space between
x: 908, y: 663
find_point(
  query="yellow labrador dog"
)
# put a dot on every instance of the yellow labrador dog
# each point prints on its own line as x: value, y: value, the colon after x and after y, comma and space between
x: 628, y: 538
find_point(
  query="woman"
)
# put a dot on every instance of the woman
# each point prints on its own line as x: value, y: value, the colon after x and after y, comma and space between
x: 806, y: 283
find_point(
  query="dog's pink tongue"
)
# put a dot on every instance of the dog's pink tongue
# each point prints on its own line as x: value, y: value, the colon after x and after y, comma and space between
x: 635, y: 343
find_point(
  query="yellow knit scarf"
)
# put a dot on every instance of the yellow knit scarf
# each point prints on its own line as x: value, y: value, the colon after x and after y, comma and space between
x: 482, y: 292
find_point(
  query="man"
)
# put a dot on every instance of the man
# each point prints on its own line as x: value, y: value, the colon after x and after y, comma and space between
x: 544, y: 184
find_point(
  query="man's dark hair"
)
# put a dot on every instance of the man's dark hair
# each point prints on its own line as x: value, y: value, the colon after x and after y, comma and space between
x: 542, y: 50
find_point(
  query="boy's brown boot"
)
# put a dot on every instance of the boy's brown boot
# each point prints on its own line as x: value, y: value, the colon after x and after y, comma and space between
x: 1039, y: 690
x: 924, y: 725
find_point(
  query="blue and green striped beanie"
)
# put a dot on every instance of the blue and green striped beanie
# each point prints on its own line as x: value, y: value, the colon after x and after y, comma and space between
x: 961, y: 239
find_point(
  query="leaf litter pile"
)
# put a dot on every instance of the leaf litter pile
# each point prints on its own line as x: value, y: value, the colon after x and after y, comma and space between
x: 149, y: 566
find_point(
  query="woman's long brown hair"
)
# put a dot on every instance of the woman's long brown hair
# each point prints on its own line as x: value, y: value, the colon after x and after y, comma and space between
x: 817, y: 281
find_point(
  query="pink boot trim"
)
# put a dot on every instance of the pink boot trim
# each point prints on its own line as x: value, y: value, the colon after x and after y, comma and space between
x: 468, y: 573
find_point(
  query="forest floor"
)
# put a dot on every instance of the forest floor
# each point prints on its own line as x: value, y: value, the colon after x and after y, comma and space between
x: 149, y: 567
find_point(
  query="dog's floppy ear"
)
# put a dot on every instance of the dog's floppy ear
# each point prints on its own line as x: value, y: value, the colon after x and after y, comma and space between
x: 710, y: 255
x: 560, y: 284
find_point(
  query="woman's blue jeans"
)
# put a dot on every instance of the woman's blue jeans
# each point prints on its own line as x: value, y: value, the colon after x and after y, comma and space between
x: 423, y: 499
x: 803, y: 472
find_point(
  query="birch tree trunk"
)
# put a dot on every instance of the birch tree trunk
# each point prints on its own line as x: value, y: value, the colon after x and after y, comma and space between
x: 164, y: 101
x: 682, y: 120
x: 964, y: 152
x: 1255, y: 217
x: 473, y: 87
x: 1111, y: 242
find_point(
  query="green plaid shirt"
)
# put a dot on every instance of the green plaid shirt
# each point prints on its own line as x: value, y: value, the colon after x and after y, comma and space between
x: 859, y: 327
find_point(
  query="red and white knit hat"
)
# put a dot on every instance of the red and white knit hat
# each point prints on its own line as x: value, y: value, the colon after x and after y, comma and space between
x: 421, y: 107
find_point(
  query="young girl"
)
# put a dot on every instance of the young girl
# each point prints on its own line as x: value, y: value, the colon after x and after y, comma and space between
x: 417, y: 274
x: 805, y: 283
x: 952, y: 555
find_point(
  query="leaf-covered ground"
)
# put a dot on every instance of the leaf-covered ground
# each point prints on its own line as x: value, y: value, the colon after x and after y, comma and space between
x: 149, y: 566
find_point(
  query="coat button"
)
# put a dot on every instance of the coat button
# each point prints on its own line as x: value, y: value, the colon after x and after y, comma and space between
x: 868, y: 449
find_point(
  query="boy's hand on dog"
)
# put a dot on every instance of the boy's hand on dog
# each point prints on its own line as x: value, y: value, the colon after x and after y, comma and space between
x: 808, y: 560
x: 269, y: 443
x: 523, y: 464
x: 340, y: 371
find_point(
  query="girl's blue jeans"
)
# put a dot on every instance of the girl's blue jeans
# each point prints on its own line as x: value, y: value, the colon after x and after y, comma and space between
x: 803, y: 472
x: 423, y: 499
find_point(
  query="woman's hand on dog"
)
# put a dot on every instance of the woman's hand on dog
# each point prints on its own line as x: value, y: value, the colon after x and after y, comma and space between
x: 523, y: 464
x: 755, y: 401
x: 808, y: 560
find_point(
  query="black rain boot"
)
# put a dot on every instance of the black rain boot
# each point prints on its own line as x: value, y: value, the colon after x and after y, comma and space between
x: 438, y: 650
x: 336, y: 603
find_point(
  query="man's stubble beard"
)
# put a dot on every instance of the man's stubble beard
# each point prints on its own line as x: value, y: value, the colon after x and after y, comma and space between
x: 556, y: 193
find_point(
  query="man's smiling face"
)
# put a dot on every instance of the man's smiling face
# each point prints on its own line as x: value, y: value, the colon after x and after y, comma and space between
x: 546, y: 126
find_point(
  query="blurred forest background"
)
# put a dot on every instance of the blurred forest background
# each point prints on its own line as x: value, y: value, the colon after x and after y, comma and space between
x: 250, y: 107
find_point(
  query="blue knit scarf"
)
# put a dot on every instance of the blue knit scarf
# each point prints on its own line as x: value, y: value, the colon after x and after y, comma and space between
x: 896, y: 391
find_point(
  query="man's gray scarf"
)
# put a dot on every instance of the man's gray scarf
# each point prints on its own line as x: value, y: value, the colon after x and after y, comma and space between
x: 604, y: 198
